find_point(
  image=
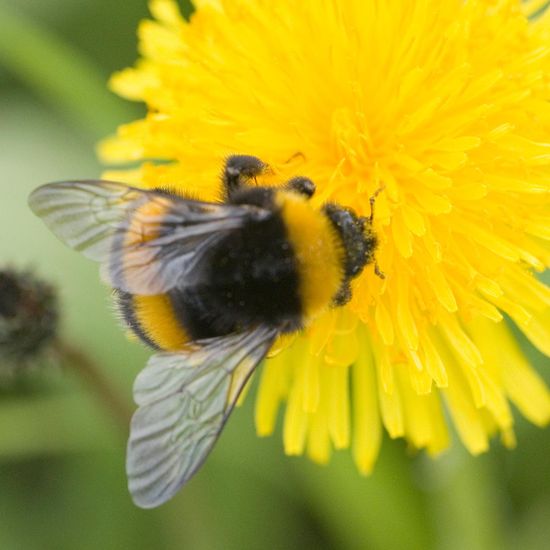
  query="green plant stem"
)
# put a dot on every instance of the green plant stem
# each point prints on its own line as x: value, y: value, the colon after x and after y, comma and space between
x: 95, y: 382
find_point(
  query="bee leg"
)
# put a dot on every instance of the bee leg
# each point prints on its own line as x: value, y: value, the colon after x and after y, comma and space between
x: 301, y: 185
x: 372, y: 200
x: 239, y: 169
x: 343, y: 296
x: 377, y: 271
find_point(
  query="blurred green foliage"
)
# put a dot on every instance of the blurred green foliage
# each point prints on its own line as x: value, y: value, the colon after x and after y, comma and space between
x: 62, y: 481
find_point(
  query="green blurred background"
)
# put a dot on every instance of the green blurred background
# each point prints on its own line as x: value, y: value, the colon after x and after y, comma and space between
x: 62, y: 480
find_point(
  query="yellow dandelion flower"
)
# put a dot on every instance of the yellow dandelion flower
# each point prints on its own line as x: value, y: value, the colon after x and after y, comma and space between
x: 445, y: 104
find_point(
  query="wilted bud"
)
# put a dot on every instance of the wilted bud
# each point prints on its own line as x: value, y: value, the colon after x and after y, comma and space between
x: 28, y: 317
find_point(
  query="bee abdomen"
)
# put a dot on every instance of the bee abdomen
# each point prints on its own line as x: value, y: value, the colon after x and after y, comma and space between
x: 154, y: 320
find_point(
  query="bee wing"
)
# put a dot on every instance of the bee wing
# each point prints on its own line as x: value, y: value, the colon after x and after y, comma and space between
x: 184, y: 401
x: 146, y: 241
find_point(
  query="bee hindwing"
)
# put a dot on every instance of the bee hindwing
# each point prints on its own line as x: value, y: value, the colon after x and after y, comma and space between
x: 184, y: 401
x: 146, y: 241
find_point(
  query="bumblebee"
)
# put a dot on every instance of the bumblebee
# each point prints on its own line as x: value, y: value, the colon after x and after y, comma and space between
x: 209, y: 286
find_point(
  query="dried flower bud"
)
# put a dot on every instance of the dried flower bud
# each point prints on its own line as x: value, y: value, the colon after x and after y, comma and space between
x: 28, y: 317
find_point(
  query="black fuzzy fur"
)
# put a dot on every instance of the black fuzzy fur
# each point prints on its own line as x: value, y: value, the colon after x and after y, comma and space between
x: 125, y: 303
x: 250, y: 278
x: 359, y: 244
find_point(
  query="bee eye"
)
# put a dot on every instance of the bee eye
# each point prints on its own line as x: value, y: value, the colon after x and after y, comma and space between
x: 362, y: 222
x: 301, y: 185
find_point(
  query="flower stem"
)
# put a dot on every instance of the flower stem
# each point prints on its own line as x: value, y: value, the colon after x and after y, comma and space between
x: 95, y: 381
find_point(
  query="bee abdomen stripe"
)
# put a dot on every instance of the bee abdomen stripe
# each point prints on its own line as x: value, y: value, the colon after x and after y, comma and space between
x: 126, y: 306
x: 318, y: 252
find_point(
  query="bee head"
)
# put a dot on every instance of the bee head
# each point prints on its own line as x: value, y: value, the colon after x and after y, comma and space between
x: 357, y: 237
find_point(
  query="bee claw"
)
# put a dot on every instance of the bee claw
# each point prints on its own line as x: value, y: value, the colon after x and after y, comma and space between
x: 378, y: 272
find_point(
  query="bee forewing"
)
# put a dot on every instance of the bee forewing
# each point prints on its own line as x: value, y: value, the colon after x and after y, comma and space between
x: 146, y: 241
x: 185, y: 399
x: 84, y: 215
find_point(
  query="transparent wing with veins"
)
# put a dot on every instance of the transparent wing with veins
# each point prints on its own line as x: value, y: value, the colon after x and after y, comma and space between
x: 146, y: 241
x: 184, y: 401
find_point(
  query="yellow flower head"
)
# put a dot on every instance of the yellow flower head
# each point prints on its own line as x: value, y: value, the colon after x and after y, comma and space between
x: 443, y: 103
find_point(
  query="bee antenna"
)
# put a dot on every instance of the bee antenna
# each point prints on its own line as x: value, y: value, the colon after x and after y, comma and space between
x: 294, y: 156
